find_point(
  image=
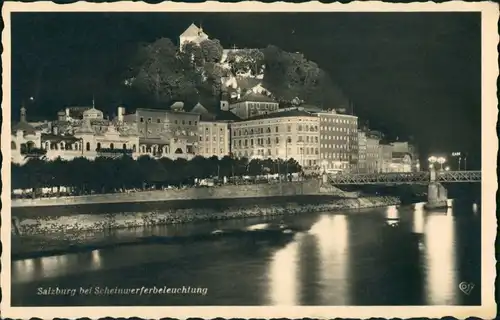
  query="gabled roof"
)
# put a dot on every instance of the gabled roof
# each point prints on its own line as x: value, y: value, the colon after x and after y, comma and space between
x: 255, y: 97
x: 246, y: 83
x: 192, y: 31
x: 199, y: 108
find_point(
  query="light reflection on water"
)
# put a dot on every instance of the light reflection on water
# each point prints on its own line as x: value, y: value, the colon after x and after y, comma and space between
x: 283, y: 276
x: 319, y: 266
x: 441, y: 284
x: 331, y: 234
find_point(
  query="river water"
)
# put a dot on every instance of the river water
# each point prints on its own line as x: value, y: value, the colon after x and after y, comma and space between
x: 384, y: 256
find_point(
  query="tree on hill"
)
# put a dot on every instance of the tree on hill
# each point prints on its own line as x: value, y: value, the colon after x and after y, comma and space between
x: 246, y: 61
x: 211, y: 50
x: 194, y: 73
x: 169, y: 74
x: 290, y: 76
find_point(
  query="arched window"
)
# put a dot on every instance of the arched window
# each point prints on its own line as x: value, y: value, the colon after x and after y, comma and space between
x: 124, y: 146
x: 87, y: 146
x: 133, y: 148
x: 111, y: 146
x: 178, y: 150
x: 98, y: 146
x: 12, y: 145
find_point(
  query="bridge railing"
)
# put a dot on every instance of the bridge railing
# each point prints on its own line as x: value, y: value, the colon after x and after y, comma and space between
x: 458, y: 176
x: 422, y: 177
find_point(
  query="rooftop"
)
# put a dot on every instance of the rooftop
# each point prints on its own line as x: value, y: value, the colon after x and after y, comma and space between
x: 255, y: 97
x: 58, y: 138
x: 283, y: 114
x: 226, y: 116
x: 23, y: 126
x: 193, y: 31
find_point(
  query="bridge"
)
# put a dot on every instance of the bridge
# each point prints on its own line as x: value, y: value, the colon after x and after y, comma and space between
x: 437, y: 195
x: 421, y: 177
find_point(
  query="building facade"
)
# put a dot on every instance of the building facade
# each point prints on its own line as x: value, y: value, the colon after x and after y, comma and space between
x: 362, y: 144
x: 385, y: 158
x: 401, y: 162
x: 193, y: 34
x: 280, y: 135
x: 214, y: 139
x: 338, y: 141
x: 252, y: 105
x: 165, y: 133
x: 372, y: 154
x: 411, y: 150
x: 26, y: 140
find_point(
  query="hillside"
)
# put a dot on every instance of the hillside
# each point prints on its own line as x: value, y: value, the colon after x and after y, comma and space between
x: 204, y: 72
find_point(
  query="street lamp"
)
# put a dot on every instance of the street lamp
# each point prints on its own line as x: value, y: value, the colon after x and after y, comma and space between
x: 447, y: 168
x: 441, y: 161
x: 432, y: 160
x: 324, y: 163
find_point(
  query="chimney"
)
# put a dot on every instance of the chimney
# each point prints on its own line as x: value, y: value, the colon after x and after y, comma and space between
x: 121, y: 113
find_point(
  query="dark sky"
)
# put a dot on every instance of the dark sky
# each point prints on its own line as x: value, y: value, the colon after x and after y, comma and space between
x: 407, y: 73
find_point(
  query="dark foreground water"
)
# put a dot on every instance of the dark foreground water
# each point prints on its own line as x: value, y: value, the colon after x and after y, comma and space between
x: 383, y: 256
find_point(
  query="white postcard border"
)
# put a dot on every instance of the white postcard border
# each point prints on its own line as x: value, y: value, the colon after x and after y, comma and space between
x: 490, y: 39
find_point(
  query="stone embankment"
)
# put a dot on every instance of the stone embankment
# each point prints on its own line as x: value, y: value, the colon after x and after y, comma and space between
x: 45, y: 235
x: 48, y: 224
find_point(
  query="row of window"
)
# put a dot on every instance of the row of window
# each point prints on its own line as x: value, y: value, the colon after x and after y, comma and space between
x: 263, y: 106
x: 325, y: 137
x: 158, y: 120
x: 337, y: 120
x: 335, y: 146
x: 300, y: 127
x: 269, y: 153
x: 214, y: 151
x: 208, y: 129
x: 330, y: 128
x: 214, y: 139
x: 178, y: 132
x: 268, y: 141
x: 335, y: 156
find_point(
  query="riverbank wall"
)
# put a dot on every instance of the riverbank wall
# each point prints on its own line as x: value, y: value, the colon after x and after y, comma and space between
x: 32, y: 223
x: 308, y: 187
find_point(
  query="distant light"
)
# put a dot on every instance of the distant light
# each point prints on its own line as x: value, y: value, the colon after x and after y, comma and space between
x: 447, y: 169
x: 31, y: 98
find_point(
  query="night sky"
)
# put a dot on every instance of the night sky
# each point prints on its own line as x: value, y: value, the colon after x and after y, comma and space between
x: 409, y: 74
